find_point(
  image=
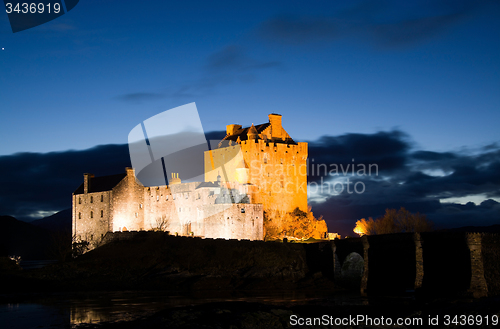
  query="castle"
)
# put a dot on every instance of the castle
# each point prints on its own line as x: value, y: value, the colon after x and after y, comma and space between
x: 255, y: 169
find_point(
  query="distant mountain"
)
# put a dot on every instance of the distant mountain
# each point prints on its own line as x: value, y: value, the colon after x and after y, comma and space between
x: 24, y: 239
x: 58, y: 222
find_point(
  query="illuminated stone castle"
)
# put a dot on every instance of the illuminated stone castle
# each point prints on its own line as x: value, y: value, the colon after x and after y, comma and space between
x: 254, y: 169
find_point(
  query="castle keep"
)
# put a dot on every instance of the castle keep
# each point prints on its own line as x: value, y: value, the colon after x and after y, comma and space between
x: 254, y: 169
x: 271, y: 163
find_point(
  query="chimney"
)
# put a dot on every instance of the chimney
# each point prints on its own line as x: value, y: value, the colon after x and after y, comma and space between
x: 175, y: 179
x: 276, y: 129
x: 86, y: 182
x: 130, y: 171
x: 232, y: 129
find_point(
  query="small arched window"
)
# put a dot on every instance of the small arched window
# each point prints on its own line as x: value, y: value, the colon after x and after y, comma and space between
x: 91, y: 214
x: 79, y: 215
x: 79, y: 200
x: 102, y: 197
x: 102, y: 213
x: 91, y: 199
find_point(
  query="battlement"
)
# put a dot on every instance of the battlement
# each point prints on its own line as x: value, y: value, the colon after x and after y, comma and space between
x: 263, y: 146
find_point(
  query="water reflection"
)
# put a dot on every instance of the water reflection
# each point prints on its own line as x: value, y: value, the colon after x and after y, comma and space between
x: 73, y: 311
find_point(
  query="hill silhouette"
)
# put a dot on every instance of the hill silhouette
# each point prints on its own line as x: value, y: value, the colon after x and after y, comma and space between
x: 24, y: 239
x: 60, y: 221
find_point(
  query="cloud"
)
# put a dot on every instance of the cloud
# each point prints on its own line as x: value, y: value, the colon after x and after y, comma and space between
x: 38, y: 182
x: 233, y: 58
x: 382, y: 23
x: 232, y: 64
x: 140, y: 97
x: 416, y: 179
x: 388, y: 150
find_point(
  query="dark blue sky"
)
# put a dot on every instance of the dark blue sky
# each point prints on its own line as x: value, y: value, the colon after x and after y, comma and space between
x: 428, y: 69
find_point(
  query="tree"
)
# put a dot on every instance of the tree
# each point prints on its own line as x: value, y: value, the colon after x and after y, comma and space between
x: 394, y: 221
x: 297, y: 224
x: 160, y: 224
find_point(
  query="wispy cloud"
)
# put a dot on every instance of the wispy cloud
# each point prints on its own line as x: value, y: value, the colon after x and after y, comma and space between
x: 231, y: 64
x: 382, y: 23
x: 139, y: 97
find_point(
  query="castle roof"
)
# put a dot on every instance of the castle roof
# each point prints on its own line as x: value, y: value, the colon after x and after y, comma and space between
x: 271, y: 131
x: 243, y: 132
x: 101, y: 184
x: 208, y: 184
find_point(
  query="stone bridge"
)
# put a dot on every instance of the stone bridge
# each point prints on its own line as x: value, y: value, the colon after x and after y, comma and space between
x: 434, y: 262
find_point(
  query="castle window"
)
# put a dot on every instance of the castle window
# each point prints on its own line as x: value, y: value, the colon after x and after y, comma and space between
x: 265, y: 160
x: 136, y: 214
x: 91, y: 214
x: 242, y: 210
x: 157, y: 198
x: 102, y: 213
x: 281, y: 160
x: 167, y: 197
x: 173, y: 197
x: 79, y: 215
x: 140, y: 205
x: 80, y: 200
x: 102, y: 197
x: 91, y: 199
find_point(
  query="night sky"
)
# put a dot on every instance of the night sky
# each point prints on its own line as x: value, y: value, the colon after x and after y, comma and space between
x: 411, y: 86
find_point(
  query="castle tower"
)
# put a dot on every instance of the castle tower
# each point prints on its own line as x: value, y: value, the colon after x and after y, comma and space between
x: 274, y: 165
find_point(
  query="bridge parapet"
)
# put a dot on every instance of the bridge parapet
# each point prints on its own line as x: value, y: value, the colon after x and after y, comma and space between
x: 433, y: 262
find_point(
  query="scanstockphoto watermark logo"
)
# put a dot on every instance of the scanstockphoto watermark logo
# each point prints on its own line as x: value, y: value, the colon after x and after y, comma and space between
x: 170, y: 148
x: 338, y: 178
x: 294, y: 176
x: 27, y: 14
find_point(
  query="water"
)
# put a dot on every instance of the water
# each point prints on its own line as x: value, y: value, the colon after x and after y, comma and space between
x: 33, y: 264
x: 73, y: 311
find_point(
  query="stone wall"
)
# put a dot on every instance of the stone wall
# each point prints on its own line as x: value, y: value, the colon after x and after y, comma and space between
x: 490, y: 247
x: 127, y: 205
x: 237, y: 221
x: 91, y: 213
